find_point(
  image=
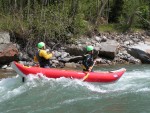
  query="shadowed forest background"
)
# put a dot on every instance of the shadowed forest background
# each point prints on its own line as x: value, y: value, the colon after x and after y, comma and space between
x: 66, y: 20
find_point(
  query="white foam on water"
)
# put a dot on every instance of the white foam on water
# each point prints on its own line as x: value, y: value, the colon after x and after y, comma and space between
x: 76, y: 83
x: 94, y: 88
x: 133, y: 81
x: 10, y: 88
x: 146, y: 89
x: 129, y: 82
x: 76, y: 99
x: 64, y: 82
x: 11, y: 94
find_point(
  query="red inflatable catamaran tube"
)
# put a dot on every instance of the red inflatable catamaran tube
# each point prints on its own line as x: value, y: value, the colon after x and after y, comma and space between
x: 103, y: 77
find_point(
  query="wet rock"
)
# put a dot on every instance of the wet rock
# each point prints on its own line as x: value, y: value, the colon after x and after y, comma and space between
x: 4, y: 66
x: 9, y: 68
x: 24, y: 57
x: 57, y: 54
x: 109, y: 45
x: 104, y: 39
x: 70, y: 65
x: 64, y: 54
x: 55, y: 61
x: 97, y: 38
x: 145, y: 58
x: 123, y: 56
x: 75, y: 50
x: 27, y: 63
x: 72, y: 59
x: 109, y: 49
x: 8, y: 53
x: 147, y: 32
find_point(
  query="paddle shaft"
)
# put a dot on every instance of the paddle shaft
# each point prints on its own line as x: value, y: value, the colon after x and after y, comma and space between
x: 87, y: 74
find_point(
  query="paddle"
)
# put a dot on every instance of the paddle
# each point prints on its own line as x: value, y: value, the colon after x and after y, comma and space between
x: 87, y: 73
x: 23, y: 79
x: 86, y: 76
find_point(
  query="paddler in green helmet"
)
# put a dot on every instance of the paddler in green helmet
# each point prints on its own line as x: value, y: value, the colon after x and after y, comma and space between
x: 42, y: 56
x: 88, y: 62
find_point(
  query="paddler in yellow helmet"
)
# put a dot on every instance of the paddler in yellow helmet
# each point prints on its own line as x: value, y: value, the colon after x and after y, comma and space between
x: 88, y: 62
x: 42, y: 56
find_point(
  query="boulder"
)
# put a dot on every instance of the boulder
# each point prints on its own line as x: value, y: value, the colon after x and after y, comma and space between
x: 123, y: 55
x: 70, y: 65
x: 109, y: 49
x: 139, y: 54
x: 8, y: 53
x: 71, y: 59
x: 140, y: 51
x: 75, y: 50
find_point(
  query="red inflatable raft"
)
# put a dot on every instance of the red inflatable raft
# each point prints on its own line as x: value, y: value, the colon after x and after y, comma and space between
x: 57, y: 73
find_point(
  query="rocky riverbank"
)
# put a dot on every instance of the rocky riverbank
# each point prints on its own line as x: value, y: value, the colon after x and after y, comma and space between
x: 110, y: 49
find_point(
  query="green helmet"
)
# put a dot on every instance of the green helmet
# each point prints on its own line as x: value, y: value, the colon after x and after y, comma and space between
x: 89, y: 48
x: 41, y: 44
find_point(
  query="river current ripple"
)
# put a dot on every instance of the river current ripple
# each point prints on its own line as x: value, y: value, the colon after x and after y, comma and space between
x: 130, y: 94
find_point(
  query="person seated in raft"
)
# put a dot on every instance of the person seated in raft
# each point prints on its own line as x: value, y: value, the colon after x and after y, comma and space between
x: 88, y: 60
x: 42, y: 56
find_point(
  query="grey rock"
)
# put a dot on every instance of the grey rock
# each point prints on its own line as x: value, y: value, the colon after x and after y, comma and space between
x: 4, y: 38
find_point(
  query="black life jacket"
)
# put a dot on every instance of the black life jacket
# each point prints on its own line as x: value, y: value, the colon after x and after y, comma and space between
x: 87, y: 61
x: 42, y: 61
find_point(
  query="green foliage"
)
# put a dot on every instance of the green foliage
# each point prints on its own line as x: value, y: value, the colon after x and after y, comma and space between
x: 80, y: 25
x: 89, y: 10
x: 144, y: 13
x: 108, y: 28
x: 63, y: 21
x: 133, y: 13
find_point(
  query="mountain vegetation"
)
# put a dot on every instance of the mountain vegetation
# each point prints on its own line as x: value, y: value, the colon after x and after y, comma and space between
x: 66, y: 20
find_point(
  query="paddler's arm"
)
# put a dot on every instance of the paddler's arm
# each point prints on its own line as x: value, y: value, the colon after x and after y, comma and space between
x: 46, y: 55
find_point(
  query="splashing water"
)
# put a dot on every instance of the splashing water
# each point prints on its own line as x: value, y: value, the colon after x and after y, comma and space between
x: 62, y: 95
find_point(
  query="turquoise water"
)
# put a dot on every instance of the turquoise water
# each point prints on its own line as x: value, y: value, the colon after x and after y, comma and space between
x: 130, y: 94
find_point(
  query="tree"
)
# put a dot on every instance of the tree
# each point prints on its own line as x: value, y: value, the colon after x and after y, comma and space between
x: 116, y: 10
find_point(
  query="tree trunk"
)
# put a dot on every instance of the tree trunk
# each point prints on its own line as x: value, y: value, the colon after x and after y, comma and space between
x: 149, y: 9
x: 73, y: 13
x: 130, y: 21
x: 116, y: 10
x: 100, y: 12
x: 28, y: 10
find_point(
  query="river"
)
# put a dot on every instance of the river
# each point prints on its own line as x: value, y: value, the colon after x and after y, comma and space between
x: 130, y: 94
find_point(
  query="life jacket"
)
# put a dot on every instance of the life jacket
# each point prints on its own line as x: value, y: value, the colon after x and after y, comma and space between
x: 42, y: 61
x: 87, y: 61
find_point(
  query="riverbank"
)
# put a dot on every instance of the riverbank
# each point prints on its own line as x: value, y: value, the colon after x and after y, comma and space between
x: 7, y: 73
x: 112, y: 49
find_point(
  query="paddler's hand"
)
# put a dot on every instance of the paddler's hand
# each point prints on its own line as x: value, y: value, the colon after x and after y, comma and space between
x: 90, y: 69
x: 95, y: 61
x: 47, y: 50
x: 53, y: 53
